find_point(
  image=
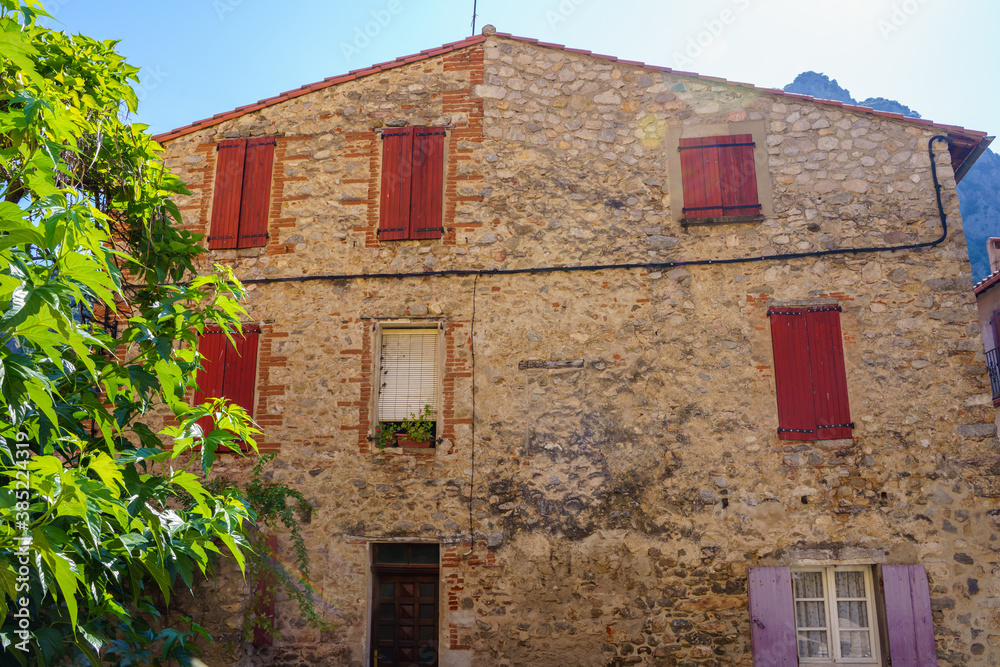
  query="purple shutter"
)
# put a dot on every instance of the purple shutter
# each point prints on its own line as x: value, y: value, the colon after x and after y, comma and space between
x: 772, y: 616
x: 908, y: 616
x: 995, y: 325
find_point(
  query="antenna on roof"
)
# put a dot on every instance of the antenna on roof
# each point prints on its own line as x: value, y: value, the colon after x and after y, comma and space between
x: 474, y: 17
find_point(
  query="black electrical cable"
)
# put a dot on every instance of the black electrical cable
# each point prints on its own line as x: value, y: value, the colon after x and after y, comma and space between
x: 644, y: 265
x: 472, y: 478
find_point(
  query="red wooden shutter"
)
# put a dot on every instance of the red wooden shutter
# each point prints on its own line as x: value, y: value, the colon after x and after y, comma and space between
x: 427, y: 190
x: 739, y: 179
x: 772, y: 616
x: 228, y: 190
x: 263, y: 592
x: 908, y: 616
x: 241, y: 369
x: 829, y: 377
x: 792, y: 378
x: 256, y: 192
x: 397, y: 151
x: 212, y: 351
x: 700, y: 175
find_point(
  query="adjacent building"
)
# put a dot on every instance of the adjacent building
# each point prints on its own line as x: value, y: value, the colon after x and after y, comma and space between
x: 988, y: 301
x: 583, y: 361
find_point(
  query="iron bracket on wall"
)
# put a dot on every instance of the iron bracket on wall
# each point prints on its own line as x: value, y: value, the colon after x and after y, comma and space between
x: 573, y: 363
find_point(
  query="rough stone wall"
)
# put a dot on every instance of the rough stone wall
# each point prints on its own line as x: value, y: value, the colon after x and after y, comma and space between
x: 615, y: 506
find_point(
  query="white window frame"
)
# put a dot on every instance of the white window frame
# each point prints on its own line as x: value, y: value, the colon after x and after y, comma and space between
x: 832, y: 621
x: 378, y: 328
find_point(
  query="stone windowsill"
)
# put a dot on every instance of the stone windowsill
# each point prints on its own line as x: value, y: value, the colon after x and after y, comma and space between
x: 721, y: 220
x: 406, y: 451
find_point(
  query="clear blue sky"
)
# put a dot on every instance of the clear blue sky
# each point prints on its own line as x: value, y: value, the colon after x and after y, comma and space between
x: 201, y: 57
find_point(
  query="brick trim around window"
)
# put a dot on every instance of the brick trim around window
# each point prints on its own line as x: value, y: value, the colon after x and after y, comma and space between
x: 454, y: 368
x: 810, y: 375
x: 265, y: 391
x: 277, y: 205
x: 242, y: 193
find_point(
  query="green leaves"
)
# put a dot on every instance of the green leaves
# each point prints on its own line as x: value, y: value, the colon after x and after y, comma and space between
x: 91, y: 368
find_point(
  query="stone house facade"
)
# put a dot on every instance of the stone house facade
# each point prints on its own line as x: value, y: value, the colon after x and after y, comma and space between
x: 685, y: 405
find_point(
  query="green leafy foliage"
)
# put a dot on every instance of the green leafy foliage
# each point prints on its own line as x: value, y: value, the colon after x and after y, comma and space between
x: 418, y: 428
x: 277, y: 507
x: 102, y: 516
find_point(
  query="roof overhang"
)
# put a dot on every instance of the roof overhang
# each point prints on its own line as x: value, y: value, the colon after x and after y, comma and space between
x: 965, y: 150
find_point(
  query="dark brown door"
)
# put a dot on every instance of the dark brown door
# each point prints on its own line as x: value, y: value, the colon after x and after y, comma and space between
x: 406, y: 626
x: 404, y: 622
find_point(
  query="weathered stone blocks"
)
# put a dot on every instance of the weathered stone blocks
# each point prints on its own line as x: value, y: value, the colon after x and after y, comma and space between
x: 614, y: 507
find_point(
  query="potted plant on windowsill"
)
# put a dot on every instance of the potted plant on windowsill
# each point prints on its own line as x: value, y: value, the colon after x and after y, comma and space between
x: 417, y: 431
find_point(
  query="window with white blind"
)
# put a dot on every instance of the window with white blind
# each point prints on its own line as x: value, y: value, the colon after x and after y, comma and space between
x: 835, y: 619
x: 409, y: 376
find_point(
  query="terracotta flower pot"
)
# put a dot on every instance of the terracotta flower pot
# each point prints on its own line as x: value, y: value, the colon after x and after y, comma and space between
x: 403, y: 441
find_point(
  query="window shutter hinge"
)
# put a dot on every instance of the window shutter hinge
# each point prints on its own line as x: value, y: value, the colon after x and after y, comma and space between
x: 400, y: 229
x: 796, y: 430
x: 848, y: 425
x: 429, y: 229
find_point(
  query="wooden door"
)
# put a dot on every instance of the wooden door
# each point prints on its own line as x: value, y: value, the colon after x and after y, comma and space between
x: 406, y: 608
x: 405, y: 604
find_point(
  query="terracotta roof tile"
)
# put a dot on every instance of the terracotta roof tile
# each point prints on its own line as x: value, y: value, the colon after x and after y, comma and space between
x: 478, y: 39
x: 986, y: 283
x: 475, y: 39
